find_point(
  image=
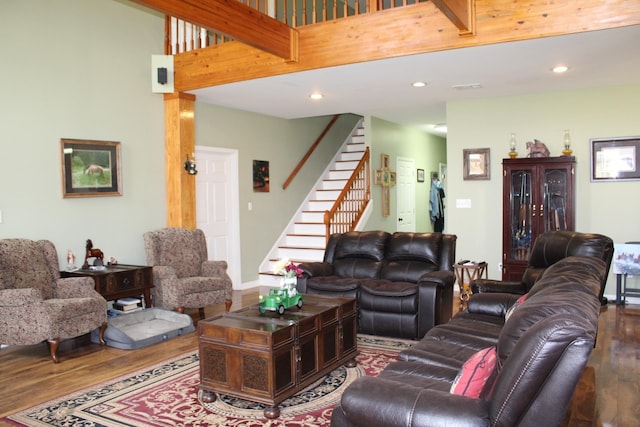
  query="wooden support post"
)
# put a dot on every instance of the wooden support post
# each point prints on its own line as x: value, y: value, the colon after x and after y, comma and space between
x: 180, y: 143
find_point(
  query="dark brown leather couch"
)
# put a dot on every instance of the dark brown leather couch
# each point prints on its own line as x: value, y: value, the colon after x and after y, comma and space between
x: 549, y: 248
x: 403, y: 282
x: 542, y: 350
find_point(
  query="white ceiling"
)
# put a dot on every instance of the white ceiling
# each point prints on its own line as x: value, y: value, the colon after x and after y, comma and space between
x: 383, y: 88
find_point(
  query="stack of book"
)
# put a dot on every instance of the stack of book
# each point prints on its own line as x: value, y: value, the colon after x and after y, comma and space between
x: 127, y: 305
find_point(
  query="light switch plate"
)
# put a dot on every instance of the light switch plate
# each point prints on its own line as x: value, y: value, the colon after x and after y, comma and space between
x: 463, y: 203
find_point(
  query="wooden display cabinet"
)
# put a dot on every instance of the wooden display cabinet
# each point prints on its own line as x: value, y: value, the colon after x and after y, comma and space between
x: 538, y: 196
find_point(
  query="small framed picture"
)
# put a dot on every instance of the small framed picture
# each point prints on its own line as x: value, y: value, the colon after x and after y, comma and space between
x: 90, y: 168
x: 420, y: 175
x: 615, y: 159
x: 476, y: 164
x: 260, y: 176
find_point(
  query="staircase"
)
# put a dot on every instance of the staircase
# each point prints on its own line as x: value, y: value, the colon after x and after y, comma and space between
x: 304, y: 239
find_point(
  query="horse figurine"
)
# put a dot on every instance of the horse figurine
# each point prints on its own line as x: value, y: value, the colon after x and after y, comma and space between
x: 537, y: 149
x: 92, y: 253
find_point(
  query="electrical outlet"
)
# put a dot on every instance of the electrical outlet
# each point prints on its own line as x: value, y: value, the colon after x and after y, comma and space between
x: 500, y: 267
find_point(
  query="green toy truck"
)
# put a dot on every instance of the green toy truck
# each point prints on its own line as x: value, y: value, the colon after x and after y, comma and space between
x: 279, y: 300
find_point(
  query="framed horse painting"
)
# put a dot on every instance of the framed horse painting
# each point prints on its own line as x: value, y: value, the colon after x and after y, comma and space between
x: 90, y: 168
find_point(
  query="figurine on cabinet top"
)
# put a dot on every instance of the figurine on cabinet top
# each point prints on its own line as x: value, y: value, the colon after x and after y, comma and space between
x: 537, y: 149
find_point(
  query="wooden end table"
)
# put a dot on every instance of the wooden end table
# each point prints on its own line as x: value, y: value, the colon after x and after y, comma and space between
x: 467, y: 273
x: 119, y: 281
x: 266, y: 357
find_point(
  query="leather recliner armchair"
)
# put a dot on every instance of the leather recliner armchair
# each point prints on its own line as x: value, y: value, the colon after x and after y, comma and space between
x: 403, y: 282
x: 549, y: 248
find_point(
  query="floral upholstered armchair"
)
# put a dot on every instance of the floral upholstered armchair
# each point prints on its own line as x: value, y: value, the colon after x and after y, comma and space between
x: 183, y: 276
x: 36, y: 305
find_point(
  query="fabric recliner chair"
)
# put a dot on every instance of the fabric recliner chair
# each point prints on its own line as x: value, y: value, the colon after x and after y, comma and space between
x: 549, y: 248
x: 183, y: 276
x: 37, y: 305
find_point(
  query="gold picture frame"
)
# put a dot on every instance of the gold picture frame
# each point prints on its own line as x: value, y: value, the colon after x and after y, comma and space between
x: 476, y: 164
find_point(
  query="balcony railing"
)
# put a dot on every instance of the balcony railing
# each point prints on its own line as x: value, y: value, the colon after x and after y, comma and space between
x: 181, y: 36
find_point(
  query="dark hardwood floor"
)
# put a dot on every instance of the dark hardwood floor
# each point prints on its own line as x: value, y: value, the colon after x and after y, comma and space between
x: 608, y: 394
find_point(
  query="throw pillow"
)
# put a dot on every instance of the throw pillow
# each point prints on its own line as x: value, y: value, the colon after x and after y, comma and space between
x: 475, y: 373
x: 515, y: 305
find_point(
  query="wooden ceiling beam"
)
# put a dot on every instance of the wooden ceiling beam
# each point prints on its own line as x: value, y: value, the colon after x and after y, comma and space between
x: 461, y: 12
x: 402, y: 31
x: 236, y: 20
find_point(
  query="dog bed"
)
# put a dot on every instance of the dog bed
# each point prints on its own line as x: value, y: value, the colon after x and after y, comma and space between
x: 144, y: 327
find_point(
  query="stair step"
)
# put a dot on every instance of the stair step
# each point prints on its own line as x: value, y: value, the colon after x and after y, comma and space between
x: 346, y: 164
x: 292, y: 252
x: 312, y: 217
x: 355, y: 145
x: 351, y: 156
x: 310, y: 229
x: 306, y: 240
x: 333, y: 185
x: 343, y: 175
x: 296, y: 261
x: 320, y: 205
x: 327, y: 194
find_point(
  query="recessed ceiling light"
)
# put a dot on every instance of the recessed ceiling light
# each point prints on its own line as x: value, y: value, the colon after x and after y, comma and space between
x: 316, y: 95
x: 467, y: 86
x: 418, y: 84
x: 560, y: 69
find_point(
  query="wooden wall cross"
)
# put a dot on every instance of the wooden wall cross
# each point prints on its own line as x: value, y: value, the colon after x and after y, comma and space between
x: 386, y: 178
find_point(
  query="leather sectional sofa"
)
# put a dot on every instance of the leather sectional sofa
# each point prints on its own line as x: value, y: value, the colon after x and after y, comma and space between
x: 403, y: 282
x: 549, y: 248
x: 532, y: 350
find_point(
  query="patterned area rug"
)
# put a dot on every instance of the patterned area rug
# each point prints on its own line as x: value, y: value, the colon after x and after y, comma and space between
x: 168, y: 395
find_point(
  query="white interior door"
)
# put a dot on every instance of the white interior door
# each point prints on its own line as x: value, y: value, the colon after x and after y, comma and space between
x: 217, y: 214
x: 406, y: 193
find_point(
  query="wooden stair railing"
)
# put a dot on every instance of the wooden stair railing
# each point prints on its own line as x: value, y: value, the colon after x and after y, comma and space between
x: 352, y: 201
x: 309, y: 152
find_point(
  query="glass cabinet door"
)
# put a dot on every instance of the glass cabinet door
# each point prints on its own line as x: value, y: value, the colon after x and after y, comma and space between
x: 520, y: 211
x: 555, y: 194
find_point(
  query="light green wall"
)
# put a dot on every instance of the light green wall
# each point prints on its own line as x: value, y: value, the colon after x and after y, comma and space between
x: 609, y: 208
x: 282, y: 143
x: 79, y: 69
x: 82, y: 69
x: 428, y: 151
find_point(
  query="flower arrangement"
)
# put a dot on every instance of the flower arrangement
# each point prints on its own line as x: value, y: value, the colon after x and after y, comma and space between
x: 287, y: 268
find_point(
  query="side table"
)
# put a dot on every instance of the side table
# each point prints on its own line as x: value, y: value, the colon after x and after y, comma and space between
x: 119, y: 281
x: 465, y: 274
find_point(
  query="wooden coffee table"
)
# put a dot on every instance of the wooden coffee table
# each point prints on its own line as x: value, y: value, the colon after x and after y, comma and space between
x: 266, y: 358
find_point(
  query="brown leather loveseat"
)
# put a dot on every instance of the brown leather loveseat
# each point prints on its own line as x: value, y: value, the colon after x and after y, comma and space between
x: 403, y: 282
